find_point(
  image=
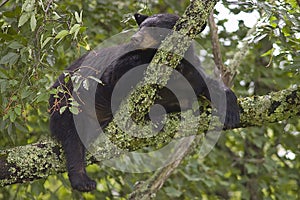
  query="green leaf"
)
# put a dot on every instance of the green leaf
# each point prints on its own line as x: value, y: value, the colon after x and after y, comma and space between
x: 21, y: 128
x: 78, y: 17
x: 273, y: 21
x: 62, y: 34
x: 15, y: 45
x: 43, y: 97
x: 12, y: 13
x: 73, y: 102
x: 25, y: 93
x: 23, y: 19
x: 286, y: 31
x: 251, y: 168
x: 9, y: 58
x: 13, y: 82
x: 3, y: 74
x: 62, y: 109
x: 3, y: 85
x: 37, y: 189
x: 46, y: 41
x: 270, y: 52
x: 75, y: 29
x: 32, y: 22
x: 74, y: 110
x: 18, y: 109
x: 28, y: 5
x: 172, y: 192
x: 12, y: 116
x: 293, y: 3
x: 56, y: 16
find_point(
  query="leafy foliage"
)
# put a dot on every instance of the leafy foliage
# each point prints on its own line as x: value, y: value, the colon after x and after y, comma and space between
x: 38, y: 39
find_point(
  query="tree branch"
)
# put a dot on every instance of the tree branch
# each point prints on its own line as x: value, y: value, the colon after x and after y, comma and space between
x: 146, y: 190
x: 222, y: 73
x: 39, y: 160
x: 169, y: 54
x: 3, y: 3
x: 239, y: 56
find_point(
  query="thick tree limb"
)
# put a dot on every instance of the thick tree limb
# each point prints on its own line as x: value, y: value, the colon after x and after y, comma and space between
x: 39, y: 160
x: 188, y: 27
x: 169, y: 54
x: 149, y: 187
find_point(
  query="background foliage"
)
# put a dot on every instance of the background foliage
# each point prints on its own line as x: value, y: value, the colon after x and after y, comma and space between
x: 38, y: 39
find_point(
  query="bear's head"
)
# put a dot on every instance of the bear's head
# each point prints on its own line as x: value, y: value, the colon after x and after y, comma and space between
x: 152, y: 29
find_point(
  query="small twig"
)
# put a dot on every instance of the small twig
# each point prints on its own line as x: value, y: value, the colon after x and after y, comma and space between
x: 48, y: 6
x: 146, y: 190
x: 239, y: 56
x: 242, y: 3
x: 3, y: 2
x: 221, y: 71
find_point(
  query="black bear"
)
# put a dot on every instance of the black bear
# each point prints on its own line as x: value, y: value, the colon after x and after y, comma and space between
x: 114, y: 63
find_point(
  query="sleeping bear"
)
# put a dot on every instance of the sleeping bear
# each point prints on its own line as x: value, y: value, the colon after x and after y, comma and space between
x: 111, y: 64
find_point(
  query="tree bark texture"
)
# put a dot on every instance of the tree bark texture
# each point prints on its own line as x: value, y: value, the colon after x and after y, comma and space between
x: 39, y: 160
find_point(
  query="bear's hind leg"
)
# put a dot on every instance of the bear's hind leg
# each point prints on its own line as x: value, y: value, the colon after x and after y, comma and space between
x: 63, y: 128
x: 75, y: 155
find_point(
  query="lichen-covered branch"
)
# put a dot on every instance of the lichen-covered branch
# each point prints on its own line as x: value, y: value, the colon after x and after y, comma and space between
x: 148, y: 188
x: 169, y: 54
x: 39, y: 160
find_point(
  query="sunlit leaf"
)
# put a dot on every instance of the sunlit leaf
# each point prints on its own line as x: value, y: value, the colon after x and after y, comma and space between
x: 46, y: 41
x: 15, y: 45
x: 18, y: 109
x: 62, y: 34
x: 33, y: 22
x: 62, y: 109
x: 78, y: 17
x: 172, y: 192
x: 28, y: 5
x: 74, y: 110
x: 24, y: 18
x: 269, y: 52
x: 12, y: 115
x: 9, y: 58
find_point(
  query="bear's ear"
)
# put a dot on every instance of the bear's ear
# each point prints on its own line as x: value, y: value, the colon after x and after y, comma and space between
x: 139, y: 18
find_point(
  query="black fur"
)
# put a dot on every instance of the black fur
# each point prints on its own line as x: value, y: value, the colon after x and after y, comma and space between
x: 115, y: 62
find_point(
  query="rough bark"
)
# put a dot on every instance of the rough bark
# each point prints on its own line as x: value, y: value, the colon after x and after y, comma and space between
x: 39, y: 160
x: 34, y: 161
